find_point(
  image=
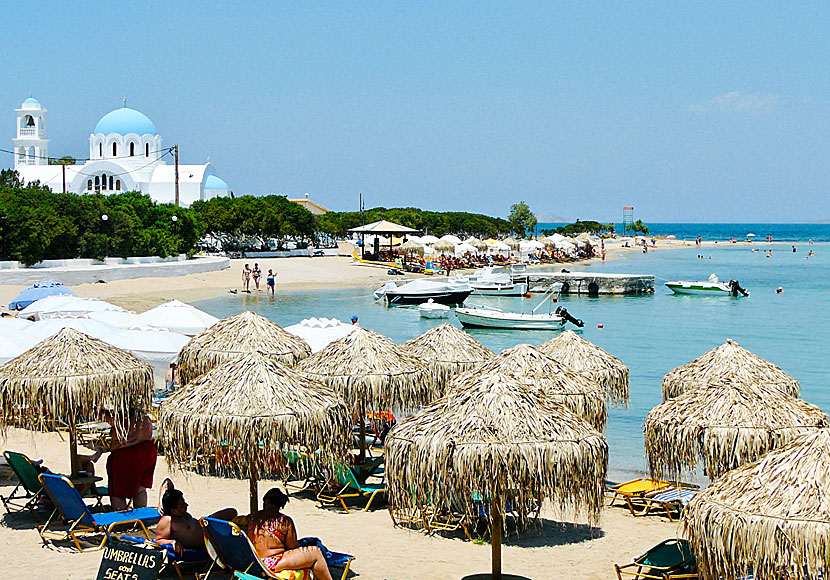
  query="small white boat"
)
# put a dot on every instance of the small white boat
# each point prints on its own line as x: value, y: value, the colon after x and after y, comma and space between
x: 494, y: 281
x: 431, y: 309
x: 496, y: 289
x: 710, y: 287
x: 420, y: 291
x: 486, y: 317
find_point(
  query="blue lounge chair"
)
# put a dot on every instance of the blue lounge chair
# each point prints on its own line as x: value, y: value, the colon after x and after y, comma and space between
x: 234, y: 551
x: 670, y: 500
x: 70, y: 506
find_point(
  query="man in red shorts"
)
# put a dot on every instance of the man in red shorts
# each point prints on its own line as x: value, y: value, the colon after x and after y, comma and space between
x: 131, y: 463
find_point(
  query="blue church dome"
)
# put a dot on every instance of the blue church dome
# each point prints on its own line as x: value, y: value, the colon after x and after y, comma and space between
x: 213, y: 182
x: 31, y: 101
x: 125, y: 120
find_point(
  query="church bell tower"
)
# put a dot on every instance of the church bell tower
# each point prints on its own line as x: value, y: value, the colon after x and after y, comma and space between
x: 30, y: 143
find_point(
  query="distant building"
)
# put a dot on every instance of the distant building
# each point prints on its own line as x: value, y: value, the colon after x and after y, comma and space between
x: 125, y: 154
x: 311, y: 206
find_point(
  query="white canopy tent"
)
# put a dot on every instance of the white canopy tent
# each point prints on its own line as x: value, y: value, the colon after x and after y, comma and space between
x: 43, y: 329
x: 429, y: 239
x: 119, y: 318
x: 461, y: 249
x: 175, y: 316
x: 14, y: 342
x: 65, y: 306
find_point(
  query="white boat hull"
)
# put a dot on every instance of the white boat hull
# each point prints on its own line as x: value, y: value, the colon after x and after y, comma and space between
x: 483, y: 318
x: 699, y: 288
x: 519, y: 289
x: 433, y: 311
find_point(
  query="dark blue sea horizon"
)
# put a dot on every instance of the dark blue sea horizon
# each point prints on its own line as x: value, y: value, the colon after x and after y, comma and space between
x: 725, y: 232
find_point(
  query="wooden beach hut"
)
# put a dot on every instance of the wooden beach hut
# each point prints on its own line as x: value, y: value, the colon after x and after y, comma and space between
x: 724, y: 425
x: 494, y: 439
x: 729, y: 359
x: 448, y: 350
x: 232, y: 337
x: 253, y: 408
x: 589, y: 360
x: 70, y: 377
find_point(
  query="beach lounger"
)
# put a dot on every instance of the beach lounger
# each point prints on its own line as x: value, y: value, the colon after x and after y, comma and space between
x: 70, y: 506
x: 234, y: 551
x: 635, y: 488
x: 670, y: 500
x: 669, y: 560
x: 25, y: 495
x: 343, y: 478
x: 188, y: 556
x: 303, y: 471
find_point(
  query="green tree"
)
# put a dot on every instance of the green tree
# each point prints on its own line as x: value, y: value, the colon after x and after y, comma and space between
x: 521, y: 219
x: 639, y: 227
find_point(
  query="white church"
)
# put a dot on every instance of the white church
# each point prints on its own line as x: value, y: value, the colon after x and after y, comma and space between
x: 125, y: 154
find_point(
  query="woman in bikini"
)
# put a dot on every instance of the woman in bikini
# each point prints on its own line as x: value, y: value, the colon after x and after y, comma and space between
x: 275, y: 539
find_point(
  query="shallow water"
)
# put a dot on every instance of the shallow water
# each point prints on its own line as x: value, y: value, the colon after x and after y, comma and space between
x: 652, y: 334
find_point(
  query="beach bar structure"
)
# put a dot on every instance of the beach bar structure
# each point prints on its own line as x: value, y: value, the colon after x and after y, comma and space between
x: 380, y: 228
x: 590, y: 283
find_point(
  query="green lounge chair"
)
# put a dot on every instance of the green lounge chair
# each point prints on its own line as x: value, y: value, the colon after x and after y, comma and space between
x: 25, y: 495
x: 669, y: 560
x: 343, y: 478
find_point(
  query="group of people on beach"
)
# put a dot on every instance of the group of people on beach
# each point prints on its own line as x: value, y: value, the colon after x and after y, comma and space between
x: 256, y: 274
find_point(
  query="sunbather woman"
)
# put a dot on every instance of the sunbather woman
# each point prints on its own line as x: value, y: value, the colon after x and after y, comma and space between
x: 275, y: 539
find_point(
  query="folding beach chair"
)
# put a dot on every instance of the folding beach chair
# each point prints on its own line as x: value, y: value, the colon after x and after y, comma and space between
x: 234, y: 551
x: 635, y: 488
x: 303, y: 471
x: 70, y: 506
x: 343, y: 477
x: 672, y: 499
x: 25, y: 494
x: 669, y: 560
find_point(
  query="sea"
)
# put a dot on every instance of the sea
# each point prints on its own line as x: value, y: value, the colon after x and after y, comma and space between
x: 652, y: 334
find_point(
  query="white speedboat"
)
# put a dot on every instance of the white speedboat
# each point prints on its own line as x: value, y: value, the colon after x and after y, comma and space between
x: 494, y: 281
x: 420, y: 291
x: 483, y: 317
x: 431, y: 309
x: 710, y: 287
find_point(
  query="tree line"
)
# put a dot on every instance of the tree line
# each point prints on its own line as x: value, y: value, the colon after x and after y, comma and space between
x: 337, y: 224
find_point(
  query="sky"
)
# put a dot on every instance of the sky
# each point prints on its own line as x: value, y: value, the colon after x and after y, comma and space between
x: 690, y: 112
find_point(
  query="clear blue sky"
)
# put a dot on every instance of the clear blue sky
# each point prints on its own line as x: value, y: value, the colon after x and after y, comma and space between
x: 696, y: 112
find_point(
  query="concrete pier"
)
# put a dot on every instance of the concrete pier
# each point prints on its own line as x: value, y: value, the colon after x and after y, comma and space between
x: 590, y: 283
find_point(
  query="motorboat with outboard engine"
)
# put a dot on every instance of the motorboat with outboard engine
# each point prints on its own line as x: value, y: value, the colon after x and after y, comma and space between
x: 710, y: 287
x: 487, y: 317
x: 494, y: 281
x: 420, y: 291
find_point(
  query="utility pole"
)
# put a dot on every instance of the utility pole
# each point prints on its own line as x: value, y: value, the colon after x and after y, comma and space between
x: 63, y: 170
x: 177, y: 174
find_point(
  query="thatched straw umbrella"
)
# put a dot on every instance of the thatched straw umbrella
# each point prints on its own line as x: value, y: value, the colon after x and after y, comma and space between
x: 771, y: 517
x: 560, y: 385
x: 491, y: 437
x: 443, y: 246
x: 589, y: 360
x: 237, y: 335
x: 511, y: 242
x: 411, y: 247
x: 727, y: 359
x: 369, y: 370
x: 72, y: 376
x: 724, y: 424
x: 257, y: 407
x: 448, y: 350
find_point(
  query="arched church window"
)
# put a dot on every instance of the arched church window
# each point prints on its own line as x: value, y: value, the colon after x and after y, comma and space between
x: 117, y: 185
x: 100, y: 149
x: 104, y: 182
x: 132, y: 149
x: 114, y: 149
x: 89, y: 185
x: 97, y: 183
x: 110, y: 182
x: 146, y: 150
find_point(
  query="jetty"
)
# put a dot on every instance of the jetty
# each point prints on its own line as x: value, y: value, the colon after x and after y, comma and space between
x: 590, y: 283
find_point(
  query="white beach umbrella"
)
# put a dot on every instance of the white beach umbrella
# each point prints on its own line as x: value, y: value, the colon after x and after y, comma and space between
x: 451, y: 239
x: 14, y: 342
x: 528, y: 246
x: 48, y: 304
x: 12, y: 322
x: 64, y: 306
x: 499, y: 247
x: 119, y: 318
x: 43, y: 329
x: 429, y: 250
x: 429, y: 239
x: 175, y: 316
x: 565, y: 245
x: 461, y: 249
x: 153, y: 346
x: 320, y: 332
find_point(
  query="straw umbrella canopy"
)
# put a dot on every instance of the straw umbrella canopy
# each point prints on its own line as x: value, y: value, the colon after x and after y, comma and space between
x: 448, y: 350
x: 71, y: 376
x: 443, y: 246
x: 411, y: 247
x: 512, y: 243
x: 729, y: 359
x: 491, y: 437
x: 589, y: 360
x: 370, y: 371
x: 255, y: 407
x: 724, y: 425
x: 232, y: 337
x: 560, y: 385
x: 769, y: 517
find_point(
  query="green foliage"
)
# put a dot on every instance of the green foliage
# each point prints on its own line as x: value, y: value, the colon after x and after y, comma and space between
x: 521, y: 219
x: 579, y: 227
x: 336, y: 224
x: 36, y: 224
x: 638, y: 227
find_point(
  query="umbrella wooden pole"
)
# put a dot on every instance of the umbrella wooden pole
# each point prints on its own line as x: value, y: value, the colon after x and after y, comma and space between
x: 73, y: 450
x: 252, y: 475
x: 495, y: 537
x: 362, y: 442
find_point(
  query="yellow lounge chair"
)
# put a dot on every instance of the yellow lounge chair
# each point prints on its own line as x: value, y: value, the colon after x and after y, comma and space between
x: 635, y: 488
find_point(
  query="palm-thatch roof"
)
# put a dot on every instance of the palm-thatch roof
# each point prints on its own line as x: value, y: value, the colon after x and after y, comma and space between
x: 71, y: 375
x: 724, y: 425
x: 411, y: 247
x: 512, y: 243
x: 448, y: 350
x: 254, y: 407
x: 443, y: 246
x: 587, y: 359
x: 729, y: 359
x: 237, y: 335
x: 367, y: 369
x: 529, y: 367
x: 771, y: 516
x: 489, y: 435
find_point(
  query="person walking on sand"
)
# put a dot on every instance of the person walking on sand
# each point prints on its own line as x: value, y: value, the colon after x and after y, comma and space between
x: 246, y: 278
x: 269, y: 281
x: 257, y: 273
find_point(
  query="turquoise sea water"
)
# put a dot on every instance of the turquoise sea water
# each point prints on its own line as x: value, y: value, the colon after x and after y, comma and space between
x: 652, y: 334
